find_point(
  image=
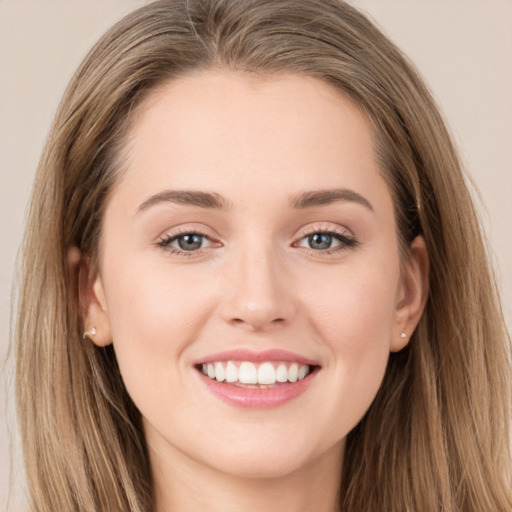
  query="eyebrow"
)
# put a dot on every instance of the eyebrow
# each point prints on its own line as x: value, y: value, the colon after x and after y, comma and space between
x: 325, y: 197
x: 212, y: 200
x: 187, y: 197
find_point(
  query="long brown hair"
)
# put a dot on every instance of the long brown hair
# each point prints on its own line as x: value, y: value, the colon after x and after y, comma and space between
x: 436, y: 436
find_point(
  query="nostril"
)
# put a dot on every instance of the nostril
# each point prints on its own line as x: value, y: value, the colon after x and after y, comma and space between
x: 257, y: 323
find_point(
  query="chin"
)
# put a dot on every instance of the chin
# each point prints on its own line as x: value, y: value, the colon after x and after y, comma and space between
x: 269, y: 458
x: 262, y: 467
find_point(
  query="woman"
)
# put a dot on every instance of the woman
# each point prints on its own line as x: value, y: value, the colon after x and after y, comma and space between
x: 253, y: 278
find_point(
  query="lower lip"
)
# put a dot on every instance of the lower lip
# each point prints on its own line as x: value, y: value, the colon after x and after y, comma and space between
x: 258, y: 398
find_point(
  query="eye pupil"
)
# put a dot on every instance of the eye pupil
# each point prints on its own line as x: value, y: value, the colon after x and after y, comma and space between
x: 190, y: 242
x: 320, y: 241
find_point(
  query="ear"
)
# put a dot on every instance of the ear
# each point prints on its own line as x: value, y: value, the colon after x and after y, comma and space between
x: 412, y: 294
x: 93, y: 303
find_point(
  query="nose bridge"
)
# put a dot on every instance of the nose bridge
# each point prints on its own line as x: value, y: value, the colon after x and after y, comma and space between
x: 259, y: 296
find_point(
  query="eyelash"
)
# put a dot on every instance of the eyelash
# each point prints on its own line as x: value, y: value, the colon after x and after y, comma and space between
x: 346, y: 242
x: 166, y: 240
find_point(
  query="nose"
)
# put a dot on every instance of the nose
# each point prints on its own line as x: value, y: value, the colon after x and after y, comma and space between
x: 260, y: 295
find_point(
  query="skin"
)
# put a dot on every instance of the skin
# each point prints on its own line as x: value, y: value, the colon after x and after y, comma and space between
x: 256, y: 283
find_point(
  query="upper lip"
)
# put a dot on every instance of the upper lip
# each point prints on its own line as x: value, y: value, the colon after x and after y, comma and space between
x: 243, y: 354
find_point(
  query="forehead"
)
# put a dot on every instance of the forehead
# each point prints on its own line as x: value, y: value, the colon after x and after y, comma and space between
x: 222, y: 129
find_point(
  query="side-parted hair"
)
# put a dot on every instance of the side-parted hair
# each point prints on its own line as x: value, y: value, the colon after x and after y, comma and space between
x: 437, y: 436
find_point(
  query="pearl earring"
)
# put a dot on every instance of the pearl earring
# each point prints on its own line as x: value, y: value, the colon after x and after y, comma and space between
x: 92, y: 332
x: 403, y: 335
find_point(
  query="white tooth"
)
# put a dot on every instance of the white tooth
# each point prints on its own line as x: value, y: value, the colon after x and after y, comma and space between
x: 282, y: 373
x: 293, y: 372
x: 247, y: 373
x: 211, y: 371
x: 231, y: 372
x: 266, y: 374
x: 220, y: 373
x: 303, y: 371
x: 204, y: 369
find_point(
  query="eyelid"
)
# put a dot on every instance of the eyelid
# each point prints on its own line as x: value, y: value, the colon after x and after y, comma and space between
x: 325, y: 227
x: 328, y: 229
x: 342, y: 234
x: 163, y: 241
x: 187, y: 229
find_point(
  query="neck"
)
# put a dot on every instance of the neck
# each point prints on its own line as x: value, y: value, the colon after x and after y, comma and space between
x: 185, y: 485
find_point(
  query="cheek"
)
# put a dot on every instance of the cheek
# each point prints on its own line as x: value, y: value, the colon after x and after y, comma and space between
x: 154, y: 316
x: 353, y: 317
x: 355, y: 306
x: 151, y: 304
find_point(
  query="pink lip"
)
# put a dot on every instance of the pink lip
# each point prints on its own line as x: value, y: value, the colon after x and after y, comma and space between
x: 253, y: 397
x: 243, y: 354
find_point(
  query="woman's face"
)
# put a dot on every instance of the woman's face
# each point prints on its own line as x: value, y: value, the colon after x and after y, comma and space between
x: 252, y: 237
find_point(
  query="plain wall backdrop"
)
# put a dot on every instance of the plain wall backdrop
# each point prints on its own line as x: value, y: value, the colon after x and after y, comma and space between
x: 462, y: 47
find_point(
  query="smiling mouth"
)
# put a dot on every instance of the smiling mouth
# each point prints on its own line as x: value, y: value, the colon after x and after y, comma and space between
x: 262, y: 375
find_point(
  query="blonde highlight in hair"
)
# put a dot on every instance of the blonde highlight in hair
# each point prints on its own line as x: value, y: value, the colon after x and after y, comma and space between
x: 436, y: 436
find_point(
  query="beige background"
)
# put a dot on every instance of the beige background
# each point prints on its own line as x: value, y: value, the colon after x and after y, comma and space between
x: 462, y: 47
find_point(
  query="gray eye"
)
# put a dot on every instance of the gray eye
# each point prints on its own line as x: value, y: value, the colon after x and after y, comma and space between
x: 320, y: 241
x: 190, y: 242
